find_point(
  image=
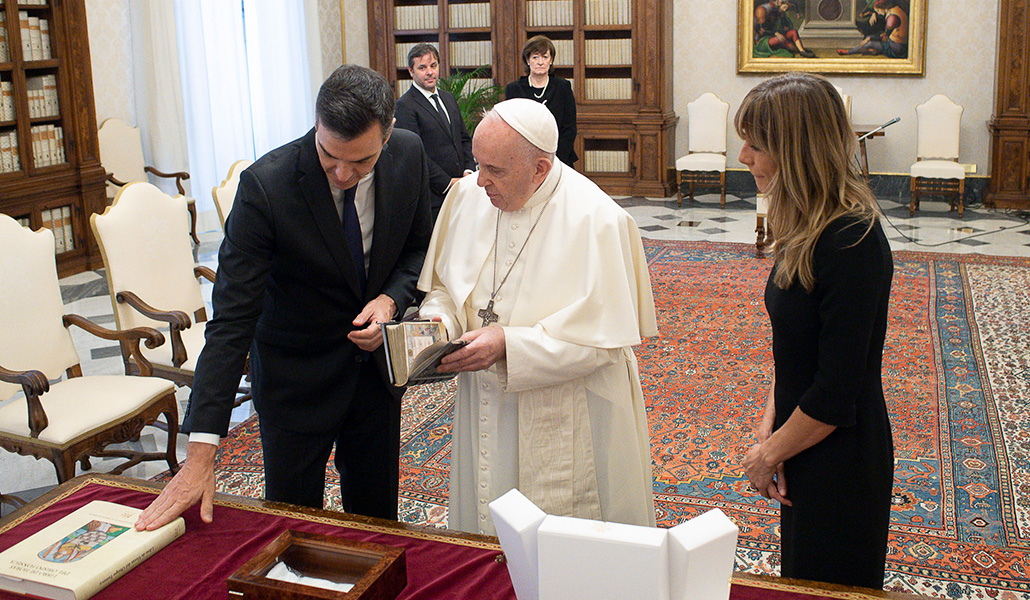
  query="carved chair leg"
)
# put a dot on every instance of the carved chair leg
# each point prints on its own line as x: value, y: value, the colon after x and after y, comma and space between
x: 722, y: 188
x: 84, y: 463
x: 64, y: 464
x: 760, y: 239
x: 192, y: 208
x: 679, y: 189
x: 961, y: 196
x: 913, y: 205
x: 691, y: 190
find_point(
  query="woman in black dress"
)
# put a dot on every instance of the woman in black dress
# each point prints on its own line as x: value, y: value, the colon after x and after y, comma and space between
x: 824, y: 447
x: 541, y: 84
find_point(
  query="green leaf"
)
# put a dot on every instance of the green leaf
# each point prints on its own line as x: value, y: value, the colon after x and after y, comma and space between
x: 472, y: 101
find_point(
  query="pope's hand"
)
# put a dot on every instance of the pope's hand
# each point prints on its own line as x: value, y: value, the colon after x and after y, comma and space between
x: 485, y: 347
x: 194, y: 481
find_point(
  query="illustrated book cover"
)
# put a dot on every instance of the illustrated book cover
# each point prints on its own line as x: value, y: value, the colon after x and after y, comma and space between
x: 82, y: 553
x: 414, y: 350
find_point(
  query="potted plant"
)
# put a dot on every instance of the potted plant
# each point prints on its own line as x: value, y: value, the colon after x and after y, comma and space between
x: 473, y: 100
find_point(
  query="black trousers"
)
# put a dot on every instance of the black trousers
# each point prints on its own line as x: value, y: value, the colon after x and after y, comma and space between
x: 367, y: 454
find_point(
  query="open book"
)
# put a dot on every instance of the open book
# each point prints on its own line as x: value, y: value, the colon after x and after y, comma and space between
x: 82, y: 553
x: 414, y: 350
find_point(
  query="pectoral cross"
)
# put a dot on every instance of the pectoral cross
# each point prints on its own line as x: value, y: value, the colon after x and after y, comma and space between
x: 488, y: 315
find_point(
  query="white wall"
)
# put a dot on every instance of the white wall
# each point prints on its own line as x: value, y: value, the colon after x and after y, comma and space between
x: 960, y: 62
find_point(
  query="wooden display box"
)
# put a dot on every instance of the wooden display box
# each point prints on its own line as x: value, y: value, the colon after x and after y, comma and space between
x: 377, y: 572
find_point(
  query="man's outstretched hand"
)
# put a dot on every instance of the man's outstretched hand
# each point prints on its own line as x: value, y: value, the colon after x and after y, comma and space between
x: 194, y: 481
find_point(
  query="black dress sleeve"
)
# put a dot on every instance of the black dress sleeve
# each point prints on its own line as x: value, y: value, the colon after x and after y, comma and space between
x: 853, y: 272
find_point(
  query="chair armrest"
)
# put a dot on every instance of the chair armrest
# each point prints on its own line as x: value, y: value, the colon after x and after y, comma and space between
x: 132, y: 337
x: 34, y: 384
x: 177, y: 321
x: 179, y: 176
x: 205, y: 272
x: 114, y: 180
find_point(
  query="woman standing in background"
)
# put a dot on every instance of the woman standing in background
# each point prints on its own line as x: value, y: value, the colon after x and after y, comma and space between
x: 824, y: 447
x: 542, y: 85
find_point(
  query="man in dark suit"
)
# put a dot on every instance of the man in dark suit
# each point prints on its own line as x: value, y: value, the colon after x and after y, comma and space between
x: 325, y: 240
x: 433, y: 114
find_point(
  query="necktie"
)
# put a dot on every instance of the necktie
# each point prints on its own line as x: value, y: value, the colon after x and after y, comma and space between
x: 352, y: 231
x: 439, y: 107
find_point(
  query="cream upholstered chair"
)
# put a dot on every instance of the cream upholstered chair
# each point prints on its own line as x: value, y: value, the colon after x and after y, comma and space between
x: 121, y: 152
x: 152, y: 277
x: 72, y: 419
x: 936, y: 170
x: 705, y: 163
x: 225, y: 193
x: 844, y: 98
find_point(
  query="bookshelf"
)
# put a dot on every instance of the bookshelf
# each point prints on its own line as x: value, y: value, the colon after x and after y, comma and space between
x: 50, y: 173
x: 617, y: 54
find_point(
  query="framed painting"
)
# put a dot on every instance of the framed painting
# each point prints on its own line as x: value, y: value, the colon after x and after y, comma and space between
x: 832, y: 36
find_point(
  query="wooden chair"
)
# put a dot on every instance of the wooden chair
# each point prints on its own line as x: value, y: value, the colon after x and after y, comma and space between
x: 225, y: 193
x: 764, y: 233
x: 78, y: 417
x: 936, y: 170
x: 152, y: 278
x: 705, y: 162
x: 121, y: 152
x: 846, y: 99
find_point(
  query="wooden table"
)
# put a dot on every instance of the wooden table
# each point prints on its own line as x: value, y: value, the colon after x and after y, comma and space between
x: 441, y: 563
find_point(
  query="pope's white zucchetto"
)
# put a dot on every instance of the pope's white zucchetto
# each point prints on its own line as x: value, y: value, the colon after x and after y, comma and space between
x: 532, y: 120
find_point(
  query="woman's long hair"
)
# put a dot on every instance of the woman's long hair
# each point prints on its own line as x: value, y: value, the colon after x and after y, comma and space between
x: 799, y: 120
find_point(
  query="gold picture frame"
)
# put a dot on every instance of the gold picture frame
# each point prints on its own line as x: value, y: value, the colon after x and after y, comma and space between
x: 773, y: 47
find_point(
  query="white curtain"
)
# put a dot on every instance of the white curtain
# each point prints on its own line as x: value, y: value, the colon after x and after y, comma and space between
x: 246, y: 82
x: 159, y: 110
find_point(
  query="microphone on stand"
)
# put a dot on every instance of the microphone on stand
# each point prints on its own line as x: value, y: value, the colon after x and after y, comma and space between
x: 880, y: 128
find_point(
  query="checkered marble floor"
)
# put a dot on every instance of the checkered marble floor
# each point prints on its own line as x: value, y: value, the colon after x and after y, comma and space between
x: 933, y: 229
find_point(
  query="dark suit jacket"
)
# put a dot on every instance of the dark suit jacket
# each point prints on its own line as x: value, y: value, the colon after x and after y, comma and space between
x: 448, y: 145
x: 287, y: 288
x: 559, y: 99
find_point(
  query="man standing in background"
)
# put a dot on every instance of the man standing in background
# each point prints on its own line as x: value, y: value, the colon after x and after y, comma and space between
x: 433, y: 115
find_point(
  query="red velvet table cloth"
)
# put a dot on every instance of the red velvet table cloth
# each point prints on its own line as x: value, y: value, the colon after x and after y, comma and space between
x: 197, y: 565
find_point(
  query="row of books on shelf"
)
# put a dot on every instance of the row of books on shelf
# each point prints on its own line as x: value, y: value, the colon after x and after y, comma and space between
x: 470, y: 15
x: 606, y: 161
x: 35, y: 37
x: 42, y: 96
x: 403, y: 85
x: 5, y: 49
x: 607, y: 12
x: 471, y: 54
x: 59, y: 220
x: 618, y: 51
x: 614, y: 88
x: 9, y: 160
x: 6, y: 101
x: 423, y: 16
x: 47, y: 145
x: 549, y: 13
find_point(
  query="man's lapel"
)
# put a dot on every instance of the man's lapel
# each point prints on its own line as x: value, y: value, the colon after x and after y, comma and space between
x: 428, y: 105
x: 382, y: 240
x: 314, y: 187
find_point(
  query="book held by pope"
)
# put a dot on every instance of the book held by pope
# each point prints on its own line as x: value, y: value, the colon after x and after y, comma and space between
x: 80, y: 554
x: 414, y: 350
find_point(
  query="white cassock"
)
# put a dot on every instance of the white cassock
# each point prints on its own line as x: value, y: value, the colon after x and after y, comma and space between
x: 561, y: 418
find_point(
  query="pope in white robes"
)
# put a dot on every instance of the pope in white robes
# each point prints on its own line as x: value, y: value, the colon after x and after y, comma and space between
x: 545, y: 276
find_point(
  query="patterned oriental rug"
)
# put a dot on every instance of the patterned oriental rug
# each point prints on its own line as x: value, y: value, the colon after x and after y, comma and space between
x: 956, y: 376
